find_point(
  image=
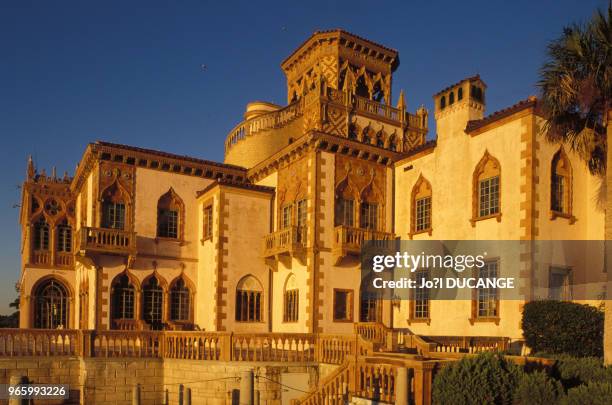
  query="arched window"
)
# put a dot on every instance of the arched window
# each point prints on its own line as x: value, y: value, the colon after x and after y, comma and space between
x: 113, y: 208
x: 345, y: 205
x: 442, y: 102
x: 64, y: 237
x: 249, y: 300
x: 291, y: 301
x: 51, y: 305
x: 561, y: 184
x: 460, y: 94
x: 180, y: 301
x: 152, y: 303
x: 477, y: 93
x: 169, y: 211
x: 362, y: 88
x: 451, y: 98
x: 41, y: 234
x: 369, y: 212
x: 123, y: 297
x: 486, y: 186
x: 421, y: 206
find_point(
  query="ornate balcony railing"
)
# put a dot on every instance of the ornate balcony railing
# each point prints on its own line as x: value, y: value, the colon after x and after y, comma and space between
x: 273, y: 119
x: 40, y: 257
x: 113, y: 241
x: 349, y: 240
x: 286, y: 241
x: 63, y: 259
x: 376, y: 108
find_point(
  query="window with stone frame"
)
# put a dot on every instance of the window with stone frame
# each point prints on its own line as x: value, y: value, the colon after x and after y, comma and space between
x: 487, y: 298
x: 208, y: 222
x: 291, y: 305
x: 561, y: 184
x: 560, y: 283
x: 180, y: 301
x: 123, y: 298
x: 249, y: 300
x: 153, y: 303
x: 343, y: 305
x: 51, y: 302
x: 286, y: 216
x: 113, y: 209
x: 64, y: 237
x: 486, y: 188
x: 421, y: 206
x: 420, y: 308
x: 369, y: 216
x: 41, y: 234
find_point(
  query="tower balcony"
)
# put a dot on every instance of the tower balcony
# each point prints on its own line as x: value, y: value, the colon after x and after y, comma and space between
x: 348, y: 240
x: 288, y: 241
x: 107, y: 241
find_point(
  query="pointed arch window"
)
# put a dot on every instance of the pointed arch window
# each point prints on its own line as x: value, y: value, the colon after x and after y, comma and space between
x: 180, y: 301
x: 170, y: 209
x: 51, y: 305
x: 486, y: 189
x: 249, y: 300
x: 41, y: 234
x: 113, y: 208
x: 460, y: 94
x: 152, y: 303
x: 451, y: 98
x: 64, y: 237
x: 561, y: 185
x: 421, y: 206
x: 291, y: 300
x: 442, y: 102
x: 368, y: 216
x: 123, y: 296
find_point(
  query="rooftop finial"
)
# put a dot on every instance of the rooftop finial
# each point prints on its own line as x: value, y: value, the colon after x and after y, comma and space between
x: 54, y: 173
x: 401, y: 102
x: 31, y: 170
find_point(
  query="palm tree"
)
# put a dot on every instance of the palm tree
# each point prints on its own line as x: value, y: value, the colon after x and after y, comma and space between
x: 576, y: 86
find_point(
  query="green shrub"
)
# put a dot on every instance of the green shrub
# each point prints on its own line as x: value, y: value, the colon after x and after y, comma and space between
x: 563, y: 327
x: 537, y: 389
x: 574, y: 371
x: 592, y: 394
x: 484, y: 379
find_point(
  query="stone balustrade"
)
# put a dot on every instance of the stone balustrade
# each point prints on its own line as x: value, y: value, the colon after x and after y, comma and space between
x: 349, y: 240
x: 289, y: 240
x: 102, y: 240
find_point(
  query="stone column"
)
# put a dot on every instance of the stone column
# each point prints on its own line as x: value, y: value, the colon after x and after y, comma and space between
x: 401, y: 388
x: 246, y: 387
x: 136, y: 394
x: 423, y: 374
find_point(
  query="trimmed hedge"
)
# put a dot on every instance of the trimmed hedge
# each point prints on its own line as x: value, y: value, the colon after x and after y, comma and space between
x: 484, y: 379
x: 563, y: 327
x: 592, y: 394
x: 537, y: 389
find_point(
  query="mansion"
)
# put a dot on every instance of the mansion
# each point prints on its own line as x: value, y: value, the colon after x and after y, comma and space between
x: 270, y: 239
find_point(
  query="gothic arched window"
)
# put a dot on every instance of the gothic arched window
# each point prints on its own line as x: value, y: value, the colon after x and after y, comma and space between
x: 179, y: 301
x: 249, y: 300
x: 561, y: 184
x: 486, y: 186
x: 152, y: 303
x: 113, y: 208
x: 169, y: 211
x: 123, y: 297
x: 291, y: 300
x: 451, y: 98
x: 421, y: 206
x: 41, y: 234
x: 51, y: 305
x: 442, y: 102
x: 64, y: 237
x: 460, y: 94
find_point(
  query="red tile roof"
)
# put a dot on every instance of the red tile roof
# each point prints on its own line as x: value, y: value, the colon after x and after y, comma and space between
x: 168, y: 155
x: 473, y: 125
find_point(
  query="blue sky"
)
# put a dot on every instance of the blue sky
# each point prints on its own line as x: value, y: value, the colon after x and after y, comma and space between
x: 130, y: 71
